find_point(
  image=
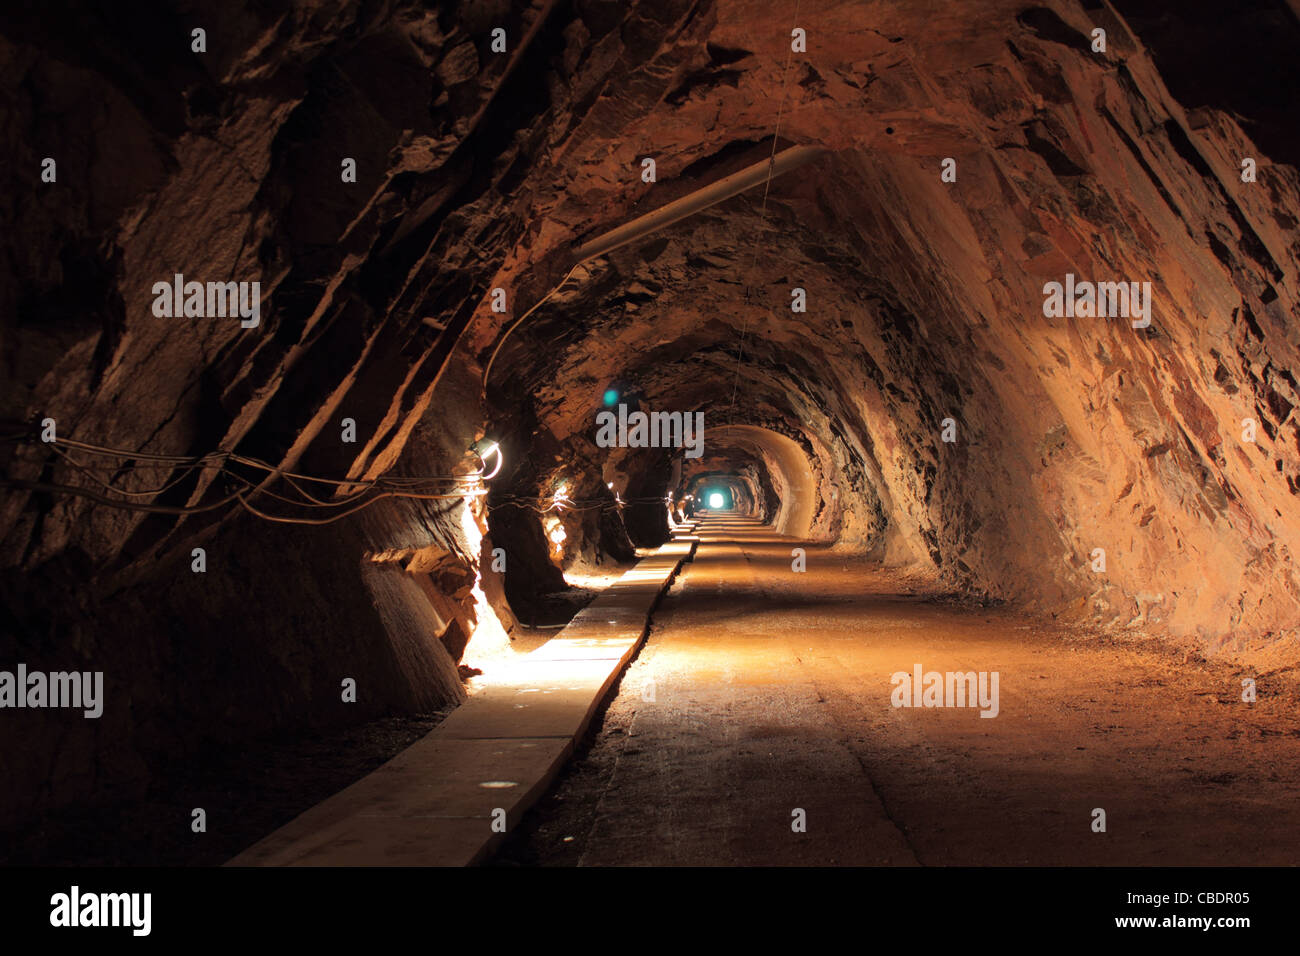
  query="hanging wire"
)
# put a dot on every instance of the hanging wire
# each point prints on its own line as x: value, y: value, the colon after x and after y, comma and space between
x: 413, y: 487
x: 762, y: 218
x: 385, y: 487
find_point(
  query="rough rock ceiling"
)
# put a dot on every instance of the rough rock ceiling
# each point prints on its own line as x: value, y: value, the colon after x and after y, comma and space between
x: 926, y: 302
x: 478, y: 170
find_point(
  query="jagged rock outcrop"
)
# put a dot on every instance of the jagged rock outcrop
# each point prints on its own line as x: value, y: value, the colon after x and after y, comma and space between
x: 478, y: 170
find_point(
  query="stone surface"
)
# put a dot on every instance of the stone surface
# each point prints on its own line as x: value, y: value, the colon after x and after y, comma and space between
x: 434, y: 804
x: 478, y: 171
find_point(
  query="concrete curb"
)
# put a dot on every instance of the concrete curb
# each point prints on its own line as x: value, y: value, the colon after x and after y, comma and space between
x: 450, y: 798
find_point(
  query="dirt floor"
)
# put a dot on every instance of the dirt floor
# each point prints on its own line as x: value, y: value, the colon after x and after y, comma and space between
x: 762, y: 692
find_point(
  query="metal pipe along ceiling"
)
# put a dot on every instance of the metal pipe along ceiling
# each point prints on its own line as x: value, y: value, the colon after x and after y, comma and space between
x: 710, y: 195
x: 673, y: 212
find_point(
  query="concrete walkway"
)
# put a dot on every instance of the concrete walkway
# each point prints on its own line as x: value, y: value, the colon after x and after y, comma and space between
x: 448, y: 799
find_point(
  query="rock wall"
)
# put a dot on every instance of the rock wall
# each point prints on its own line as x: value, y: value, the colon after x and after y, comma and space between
x: 478, y: 170
x: 925, y: 301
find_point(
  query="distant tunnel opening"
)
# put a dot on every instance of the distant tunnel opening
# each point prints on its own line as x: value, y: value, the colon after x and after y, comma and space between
x: 859, y: 352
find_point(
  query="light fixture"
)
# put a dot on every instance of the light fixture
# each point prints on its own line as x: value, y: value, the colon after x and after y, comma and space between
x: 716, y: 500
x: 560, y: 497
x: 485, y: 448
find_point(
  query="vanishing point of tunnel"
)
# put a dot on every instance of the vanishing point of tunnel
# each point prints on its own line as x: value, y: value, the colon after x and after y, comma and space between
x: 670, y: 432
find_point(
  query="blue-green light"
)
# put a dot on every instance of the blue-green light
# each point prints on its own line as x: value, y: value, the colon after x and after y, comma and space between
x: 611, y: 396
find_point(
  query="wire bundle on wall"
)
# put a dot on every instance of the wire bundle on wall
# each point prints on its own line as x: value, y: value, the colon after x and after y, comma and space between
x: 422, y: 487
x: 362, y: 492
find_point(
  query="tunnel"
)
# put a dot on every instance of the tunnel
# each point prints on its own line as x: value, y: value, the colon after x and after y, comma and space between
x: 664, y: 432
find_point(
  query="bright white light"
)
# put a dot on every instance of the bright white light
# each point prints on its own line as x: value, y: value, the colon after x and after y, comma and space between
x: 493, y: 449
x: 716, y: 500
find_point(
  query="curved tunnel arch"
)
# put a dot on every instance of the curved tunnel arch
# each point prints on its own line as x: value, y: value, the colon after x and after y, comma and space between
x: 784, y: 489
x: 779, y: 385
x: 923, y: 316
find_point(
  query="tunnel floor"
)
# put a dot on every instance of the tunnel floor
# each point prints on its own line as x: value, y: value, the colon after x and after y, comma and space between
x: 762, y: 691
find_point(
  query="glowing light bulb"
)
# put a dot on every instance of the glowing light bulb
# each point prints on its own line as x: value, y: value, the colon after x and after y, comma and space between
x: 486, y: 448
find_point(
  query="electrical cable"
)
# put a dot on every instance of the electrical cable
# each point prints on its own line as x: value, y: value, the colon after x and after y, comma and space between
x: 225, y: 456
x: 320, y: 521
x: 407, y: 486
x: 762, y: 217
x: 414, y: 487
x: 122, y: 491
x: 519, y: 321
x: 127, y: 505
